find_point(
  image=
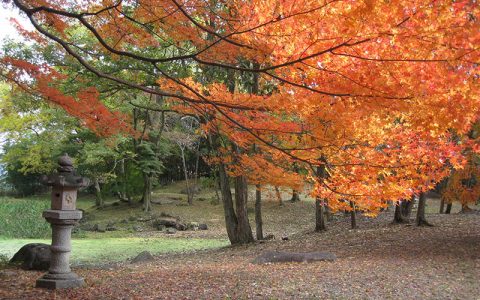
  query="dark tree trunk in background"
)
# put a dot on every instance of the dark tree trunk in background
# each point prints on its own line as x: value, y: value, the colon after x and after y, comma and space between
x: 353, y: 215
x: 398, y: 217
x: 279, y: 196
x: 442, y: 206
x: 98, y: 193
x: 295, y: 196
x: 320, y: 215
x: 258, y: 213
x: 407, y: 208
x: 448, y: 210
x: 421, y: 220
x: 147, y: 192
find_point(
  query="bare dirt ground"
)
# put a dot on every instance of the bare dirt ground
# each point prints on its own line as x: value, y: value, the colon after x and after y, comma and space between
x: 376, y: 261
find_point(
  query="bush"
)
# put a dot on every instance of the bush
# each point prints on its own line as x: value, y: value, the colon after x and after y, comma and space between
x: 22, y: 218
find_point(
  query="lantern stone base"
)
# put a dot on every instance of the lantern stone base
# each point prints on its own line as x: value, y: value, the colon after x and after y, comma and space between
x: 59, y: 281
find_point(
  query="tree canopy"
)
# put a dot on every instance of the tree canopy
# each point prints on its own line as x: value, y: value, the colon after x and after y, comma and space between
x: 381, y: 94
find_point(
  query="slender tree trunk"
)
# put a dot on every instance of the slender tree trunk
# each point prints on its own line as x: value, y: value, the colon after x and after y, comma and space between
x: 185, y: 173
x: 295, y: 196
x: 448, y: 210
x: 98, y: 193
x: 320, y: 215
x: 147, y: 193
x: 353, y: 215
x: 421, y: 220
x: 258, y: 212
x: 398, y: 217
x: 442, y: 206
x: 279, y: 196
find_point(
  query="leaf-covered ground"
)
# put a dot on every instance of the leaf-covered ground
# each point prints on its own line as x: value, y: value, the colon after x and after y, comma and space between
x: 376, y: 261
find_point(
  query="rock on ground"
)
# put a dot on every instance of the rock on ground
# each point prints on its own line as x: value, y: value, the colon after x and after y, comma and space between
x: 279, y: 257
x: 34, y: 256
x: 142, y: 257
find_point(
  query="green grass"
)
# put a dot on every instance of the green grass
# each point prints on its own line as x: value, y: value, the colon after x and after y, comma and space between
x: 22, y: 218
x: 117, y: 249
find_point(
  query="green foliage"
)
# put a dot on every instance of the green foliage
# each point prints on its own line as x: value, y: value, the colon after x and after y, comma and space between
x: 22, y: 218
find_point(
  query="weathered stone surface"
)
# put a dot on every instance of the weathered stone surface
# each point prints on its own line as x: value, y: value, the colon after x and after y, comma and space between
x: 170, y: 230
x: 169, y: 222
x: 142, y: 257
x: 193, y: 226
x: 35, y: 256
x: 203, y: 226
x: 279, y: 257
x: 99, y: 228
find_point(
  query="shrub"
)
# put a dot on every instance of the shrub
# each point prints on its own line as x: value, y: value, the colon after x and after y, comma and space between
x: 22, y: 218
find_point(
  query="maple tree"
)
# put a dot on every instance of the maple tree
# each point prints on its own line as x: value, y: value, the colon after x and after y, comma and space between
x: 372, y: 92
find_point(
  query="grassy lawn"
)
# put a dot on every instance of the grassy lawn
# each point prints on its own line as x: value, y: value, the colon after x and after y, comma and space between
x: 117, y: 249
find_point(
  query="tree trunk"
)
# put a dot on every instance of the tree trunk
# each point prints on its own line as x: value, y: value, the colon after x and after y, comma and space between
x: 185, y: 173
x: 319, y: 215
x: 147, y: 192
x: 295, y: 196
x: 279, y: 196
x: 442, y: 206
x: 353, y: 215
x: 227, y: 200
x: 123, y: 171
x: 398, y: 217
x: 465, y: 209
x: 421, y: 220
x: 258, y: 213
x: 98, y: 193
x: 407, y: 208
x: 244, y: 231
x: 238, y: 227
x: 448, y: 210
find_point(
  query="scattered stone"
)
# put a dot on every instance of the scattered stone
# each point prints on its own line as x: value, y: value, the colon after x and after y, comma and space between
x: 270, y: 237
x: 169, y: 222
x: 34, y: 256
x: 142, y: 257
x: 144, y: 219
x: 280, y: 257
x: 193, y: 226
x: 171, y: 230
x: 203, y: 226
x: 99, y: 228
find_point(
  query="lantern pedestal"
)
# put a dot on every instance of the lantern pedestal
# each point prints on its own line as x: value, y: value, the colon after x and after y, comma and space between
x: 60, y: 275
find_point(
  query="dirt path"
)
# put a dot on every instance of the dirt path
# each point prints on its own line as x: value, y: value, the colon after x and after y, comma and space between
x: 378, y: 261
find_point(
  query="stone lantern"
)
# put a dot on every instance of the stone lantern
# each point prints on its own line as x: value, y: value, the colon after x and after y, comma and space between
x: 62, y: 216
